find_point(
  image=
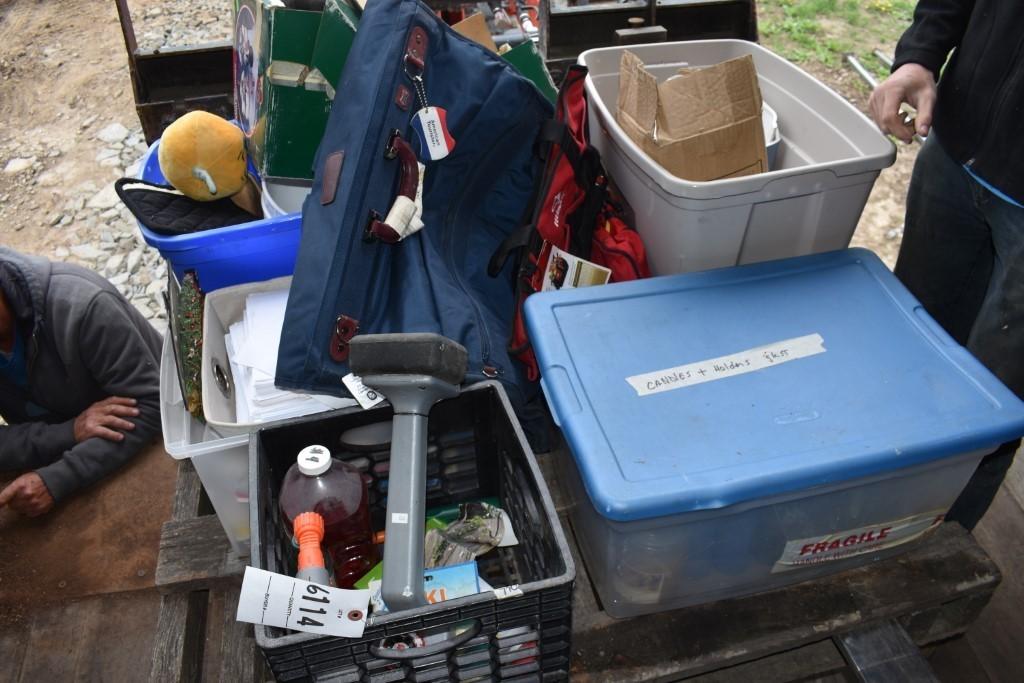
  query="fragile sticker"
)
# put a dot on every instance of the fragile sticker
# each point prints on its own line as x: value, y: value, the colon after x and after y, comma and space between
x: 721, y: 367
x: 841, y: 545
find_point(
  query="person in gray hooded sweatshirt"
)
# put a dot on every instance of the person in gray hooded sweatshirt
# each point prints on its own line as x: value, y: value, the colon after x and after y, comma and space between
x: 79, y: 380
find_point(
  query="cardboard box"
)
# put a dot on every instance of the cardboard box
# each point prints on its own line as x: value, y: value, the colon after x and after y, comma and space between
x: 333, y: 41
x: 701, y: 124
x: 524, y: 57
x: 283, y: 120
x: 475, y: 28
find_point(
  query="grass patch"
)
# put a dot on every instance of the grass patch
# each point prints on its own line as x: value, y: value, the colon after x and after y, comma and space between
x: 824, y: 31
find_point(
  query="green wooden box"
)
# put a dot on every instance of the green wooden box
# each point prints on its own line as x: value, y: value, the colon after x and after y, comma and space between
x: 282, y: 118
x: 333, y: 42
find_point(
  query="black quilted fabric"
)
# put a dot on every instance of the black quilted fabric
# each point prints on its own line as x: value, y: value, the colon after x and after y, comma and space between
x: 166, y: 211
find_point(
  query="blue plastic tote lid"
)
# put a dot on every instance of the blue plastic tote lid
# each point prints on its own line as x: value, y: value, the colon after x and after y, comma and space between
x: 704, y: 390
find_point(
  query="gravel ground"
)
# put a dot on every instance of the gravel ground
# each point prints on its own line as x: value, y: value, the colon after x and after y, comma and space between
x: 66, y: 140
x: 180, y: 22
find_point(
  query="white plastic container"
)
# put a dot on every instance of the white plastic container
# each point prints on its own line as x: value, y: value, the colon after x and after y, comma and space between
x: 772, y: 137
x: 223, y: 308
x: 281, y: 199
x: 741, y: 429
x: 825, y: 165
x: 220, y: 456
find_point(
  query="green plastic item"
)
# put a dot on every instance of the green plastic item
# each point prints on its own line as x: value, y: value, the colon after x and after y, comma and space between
x: 528, y: 61
x: 449, y: 513
x: 378, y: 569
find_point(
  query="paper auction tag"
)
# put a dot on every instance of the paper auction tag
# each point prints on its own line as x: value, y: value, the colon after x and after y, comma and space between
x: 364, y: 395
x: 286, y: 602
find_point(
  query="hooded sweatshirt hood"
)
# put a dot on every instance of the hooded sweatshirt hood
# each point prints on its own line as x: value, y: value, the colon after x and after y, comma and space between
x: 25, y: 280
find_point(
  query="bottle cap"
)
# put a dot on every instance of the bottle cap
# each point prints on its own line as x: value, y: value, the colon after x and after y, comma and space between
x: 314, y: 460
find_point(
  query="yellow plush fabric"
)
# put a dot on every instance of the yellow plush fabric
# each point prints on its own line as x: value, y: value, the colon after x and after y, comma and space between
x: 203, y: 156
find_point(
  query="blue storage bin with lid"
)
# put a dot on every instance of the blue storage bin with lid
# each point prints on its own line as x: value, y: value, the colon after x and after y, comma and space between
x: 740, y: 429
x: 249, y: 252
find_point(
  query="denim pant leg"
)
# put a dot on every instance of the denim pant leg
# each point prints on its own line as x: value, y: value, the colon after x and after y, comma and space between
x: 997, y: 340
x: 945, y: 258
x: 962, y: 257
x: 997, y: 336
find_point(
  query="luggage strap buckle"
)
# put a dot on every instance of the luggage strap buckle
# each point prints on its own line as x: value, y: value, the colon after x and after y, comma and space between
x: 416, y: 52
x: 344, y: 329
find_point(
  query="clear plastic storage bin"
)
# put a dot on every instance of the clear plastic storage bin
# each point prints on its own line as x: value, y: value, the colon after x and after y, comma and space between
x: 220, y: 456
x: 824, y: 167
x: 740, y: 429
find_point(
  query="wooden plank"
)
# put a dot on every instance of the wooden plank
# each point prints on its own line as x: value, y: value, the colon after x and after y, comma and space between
x: 91, y: 639
x: 955, y: 660
x: 813, y: 661
x: 55, y: 641
x: 948, y: 568
x: 1014, y: 482
x: 883, y: 652
x: 180, y: 635
x: 945, y: 621
x: 124, y: 629
x: 998, y: 634
x: 195, y: 553
x: 240, y: 659
x: 13, y: 651
x: 187, y: 492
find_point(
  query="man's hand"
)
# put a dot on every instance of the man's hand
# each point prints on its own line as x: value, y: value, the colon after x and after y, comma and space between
x: 913, y: 84
x: 28, y: 495
x: 102, y: 418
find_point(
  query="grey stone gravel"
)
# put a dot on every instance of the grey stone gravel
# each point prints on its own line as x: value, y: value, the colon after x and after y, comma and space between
x: 19, y: 165
x: 104, y: 199
x: 113, y: 133
x: 86, y: 252
x: 88, y: 223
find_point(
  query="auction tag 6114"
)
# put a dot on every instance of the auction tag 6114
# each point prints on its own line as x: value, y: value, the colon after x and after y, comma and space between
x: 286, y: 602
x: 364, y: 395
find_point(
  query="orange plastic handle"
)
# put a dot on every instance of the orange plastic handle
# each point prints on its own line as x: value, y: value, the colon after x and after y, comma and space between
x: 309, y: 532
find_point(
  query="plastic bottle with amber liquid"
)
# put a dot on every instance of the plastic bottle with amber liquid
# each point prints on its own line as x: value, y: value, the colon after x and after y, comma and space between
x: 337, y: 492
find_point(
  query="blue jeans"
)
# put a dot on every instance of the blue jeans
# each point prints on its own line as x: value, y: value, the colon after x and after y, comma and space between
x: 963, y: 257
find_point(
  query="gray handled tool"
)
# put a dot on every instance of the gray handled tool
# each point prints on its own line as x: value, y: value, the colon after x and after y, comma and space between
x: 413, y: 371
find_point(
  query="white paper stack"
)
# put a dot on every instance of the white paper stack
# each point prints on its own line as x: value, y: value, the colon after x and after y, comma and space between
x: 252, y: 345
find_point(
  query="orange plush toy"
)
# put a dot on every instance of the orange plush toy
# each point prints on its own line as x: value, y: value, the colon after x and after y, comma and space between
x: 203, y: 156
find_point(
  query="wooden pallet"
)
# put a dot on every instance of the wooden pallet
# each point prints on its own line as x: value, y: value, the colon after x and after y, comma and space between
x: 869, y: 623
x: 199, y: 577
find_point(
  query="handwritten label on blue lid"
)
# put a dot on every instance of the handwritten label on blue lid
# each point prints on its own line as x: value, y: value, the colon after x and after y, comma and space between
x: 727, y: 366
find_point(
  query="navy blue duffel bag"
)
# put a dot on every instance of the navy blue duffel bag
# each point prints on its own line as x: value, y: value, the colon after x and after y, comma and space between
x: 413, y: 95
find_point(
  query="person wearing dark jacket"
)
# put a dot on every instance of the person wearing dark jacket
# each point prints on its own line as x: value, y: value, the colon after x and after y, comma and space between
x: 962, y: 254
x: 79, y: 380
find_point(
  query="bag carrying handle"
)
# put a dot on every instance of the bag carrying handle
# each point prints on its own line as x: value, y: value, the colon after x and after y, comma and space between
x: 418, y: 652
x: 408, y: 181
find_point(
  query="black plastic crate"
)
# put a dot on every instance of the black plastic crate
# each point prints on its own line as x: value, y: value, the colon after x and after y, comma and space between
x: 526, y: 637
